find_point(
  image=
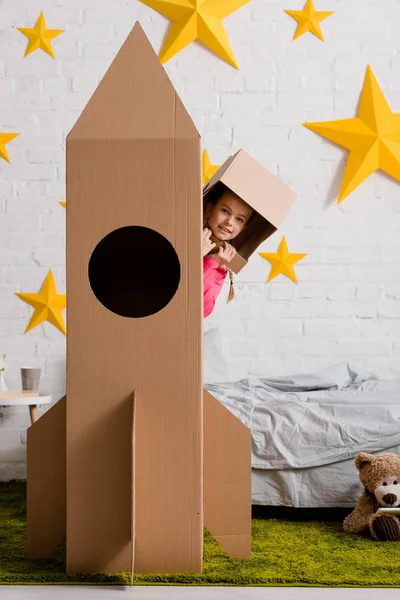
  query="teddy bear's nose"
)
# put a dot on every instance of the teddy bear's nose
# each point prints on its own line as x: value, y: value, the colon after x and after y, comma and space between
x: 389, y: 498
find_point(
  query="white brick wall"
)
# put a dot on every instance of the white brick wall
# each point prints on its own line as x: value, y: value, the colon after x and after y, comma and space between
x: 346, y: 305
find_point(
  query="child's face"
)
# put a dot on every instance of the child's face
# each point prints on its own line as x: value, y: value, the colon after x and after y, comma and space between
x: 228, y: 217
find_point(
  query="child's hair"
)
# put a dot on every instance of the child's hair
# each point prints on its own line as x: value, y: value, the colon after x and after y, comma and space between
x: 231, y: 294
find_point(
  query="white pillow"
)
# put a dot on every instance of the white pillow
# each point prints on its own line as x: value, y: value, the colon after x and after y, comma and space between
x: 215, y: 366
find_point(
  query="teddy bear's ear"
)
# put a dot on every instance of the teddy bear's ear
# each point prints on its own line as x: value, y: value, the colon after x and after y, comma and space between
x: 362, y: 459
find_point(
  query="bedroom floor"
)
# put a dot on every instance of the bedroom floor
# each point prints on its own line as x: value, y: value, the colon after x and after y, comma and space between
x: 199, y: 593
x: 290, y: 547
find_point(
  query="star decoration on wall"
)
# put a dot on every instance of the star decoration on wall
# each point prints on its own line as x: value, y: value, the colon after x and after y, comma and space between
x: 48, y: 305
x: 39, y: 36
x: 308, y: 19
x: 208, y: 170
x: 63, y: 203
x: 196, y: 20
x: 282, y: 261
x: 5, y: 138
x: 373, y: 137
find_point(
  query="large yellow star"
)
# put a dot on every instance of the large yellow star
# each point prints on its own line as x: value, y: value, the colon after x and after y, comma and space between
x: 39, y: 36
x: 373, y: 137
x: 196, y: 20
x: 308, y: 19
x: 4, y: 139
x: 282, y: 261
x: 47, y: 304
x: 208, y: 170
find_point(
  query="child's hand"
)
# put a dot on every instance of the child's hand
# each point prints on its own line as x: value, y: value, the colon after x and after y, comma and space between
x: 207, y: 244
x: 226, y: 252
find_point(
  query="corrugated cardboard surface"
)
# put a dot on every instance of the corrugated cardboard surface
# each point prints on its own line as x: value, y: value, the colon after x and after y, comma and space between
x: 237, y: 263
x: 252, y: 182
x: 133, y: 500
x: 227, y: 478
x: 46, y: 477
x: 270, y: 198
x: 133, y: 158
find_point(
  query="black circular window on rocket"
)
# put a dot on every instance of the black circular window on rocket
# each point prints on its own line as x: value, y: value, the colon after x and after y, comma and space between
x: 134, y: 271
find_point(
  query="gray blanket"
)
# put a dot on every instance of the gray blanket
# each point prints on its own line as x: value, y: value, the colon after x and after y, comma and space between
x: 314, y: 419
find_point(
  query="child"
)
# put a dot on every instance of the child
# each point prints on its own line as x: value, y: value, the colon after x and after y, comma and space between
x: 224, y: 220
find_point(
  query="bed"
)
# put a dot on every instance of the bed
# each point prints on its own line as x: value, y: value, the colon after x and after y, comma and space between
x: 307, y: 429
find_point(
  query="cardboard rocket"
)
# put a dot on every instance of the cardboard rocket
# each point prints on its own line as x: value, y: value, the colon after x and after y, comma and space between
x: 133, y: 263
x: 137, y: 458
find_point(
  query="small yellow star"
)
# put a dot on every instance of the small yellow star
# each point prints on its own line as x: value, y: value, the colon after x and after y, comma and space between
x: 373, y: 137
x: 39, y: 36
x: 196, y: 20
x: 47, y: 304
x: 208, y: 169
x: 4, y: 139
x: 282, y: 261
x: 63, y: 203
x: 308, y: 19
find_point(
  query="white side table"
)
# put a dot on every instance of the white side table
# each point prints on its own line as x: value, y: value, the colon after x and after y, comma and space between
x: 20, y: 398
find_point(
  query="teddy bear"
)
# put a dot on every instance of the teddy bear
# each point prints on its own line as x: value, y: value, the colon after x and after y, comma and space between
x: 380, y: 476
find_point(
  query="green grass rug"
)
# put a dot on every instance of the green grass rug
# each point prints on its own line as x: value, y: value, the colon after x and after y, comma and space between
x: 285, y: 551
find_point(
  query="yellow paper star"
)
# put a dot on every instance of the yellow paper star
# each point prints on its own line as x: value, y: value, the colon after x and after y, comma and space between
x: 4, y: 139
x: 208, y: 169
x: 196, y: 20
x: 63, y: 203
x: 39, y: 36
x: 373, y: 137
x: 47, y: 304
x: 308, y: 19
x: 282, y: 261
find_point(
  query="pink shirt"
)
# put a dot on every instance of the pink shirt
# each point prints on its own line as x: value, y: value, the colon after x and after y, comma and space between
x: 214, y: 277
